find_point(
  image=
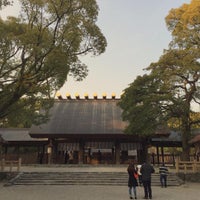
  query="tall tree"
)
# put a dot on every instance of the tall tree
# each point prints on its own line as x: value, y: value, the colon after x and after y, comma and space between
x: 5, y: 3
x: 184, y: 24
x: 143, y: 105
x: 179, y: 71
x: 172, y: 85
x: 41, y: 47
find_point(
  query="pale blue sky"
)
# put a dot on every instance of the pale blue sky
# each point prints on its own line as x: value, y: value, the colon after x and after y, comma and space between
x: 136, y: 34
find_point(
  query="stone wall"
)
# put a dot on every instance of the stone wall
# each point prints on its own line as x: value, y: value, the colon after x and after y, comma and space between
x: 7, y: 175
x: 190, y: 177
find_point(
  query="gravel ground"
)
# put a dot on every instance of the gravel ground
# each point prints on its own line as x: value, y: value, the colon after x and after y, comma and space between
x: 189, y: 191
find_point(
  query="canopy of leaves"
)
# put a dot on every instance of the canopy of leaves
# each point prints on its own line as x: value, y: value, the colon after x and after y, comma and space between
x: 40, y: 48
x: 173, y: 84
x: 184, y: 24
x: 142, y: 104
x: 5, y: 3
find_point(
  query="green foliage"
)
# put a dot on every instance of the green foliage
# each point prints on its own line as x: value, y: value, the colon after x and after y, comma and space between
x: 4, y: 3
x: 40, y: 48
x: 26, y: 112
x: 142, y: 105
x: 166, y: 94
x: 184, y: 23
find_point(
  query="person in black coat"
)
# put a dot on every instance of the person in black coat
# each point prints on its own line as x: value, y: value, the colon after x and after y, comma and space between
x: 146, y: 171
x: 132, y: 181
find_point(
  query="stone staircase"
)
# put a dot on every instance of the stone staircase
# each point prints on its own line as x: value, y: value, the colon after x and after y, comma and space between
x: 83, y: 178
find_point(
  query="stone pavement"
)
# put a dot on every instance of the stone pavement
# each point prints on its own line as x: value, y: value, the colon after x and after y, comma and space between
x: 187, y: 191
x: 70, y: 192
x: 74, y: 168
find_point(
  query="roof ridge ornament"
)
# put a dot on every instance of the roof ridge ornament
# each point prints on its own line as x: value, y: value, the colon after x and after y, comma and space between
x: 86, y: 96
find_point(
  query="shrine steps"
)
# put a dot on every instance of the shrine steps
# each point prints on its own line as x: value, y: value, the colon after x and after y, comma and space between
x: 83, y: 178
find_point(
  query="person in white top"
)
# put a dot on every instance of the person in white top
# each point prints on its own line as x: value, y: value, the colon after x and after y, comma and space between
x: 139, y: 174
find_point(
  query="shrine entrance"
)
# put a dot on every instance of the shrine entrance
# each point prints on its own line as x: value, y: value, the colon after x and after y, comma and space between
x: 95, y: 152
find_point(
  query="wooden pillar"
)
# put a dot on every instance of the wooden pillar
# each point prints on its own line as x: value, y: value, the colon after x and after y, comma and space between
x: 173, y: 158
x: 117, y: 152
x: 177, y: 165
x: 19, y: 164
x: 17, y: 148
x: 5, y: 150
x: 194, y: 166
x: 50, y: 151
x: 81, y: 152
x: 157, y: 151
x: 153, y: 158
x: 55, y: 152
x: 162, y: 153
x: 42, y: 155
x: 144, y: 152
x: 113, y: 155
x: 89, y: 156
x: 2, y: 164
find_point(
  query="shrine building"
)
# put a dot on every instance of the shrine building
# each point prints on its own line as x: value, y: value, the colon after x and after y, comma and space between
x: 91, y: 129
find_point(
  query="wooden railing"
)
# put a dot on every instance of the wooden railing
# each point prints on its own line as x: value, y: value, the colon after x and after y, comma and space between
x: 11, y: 164
x: 187, y: 166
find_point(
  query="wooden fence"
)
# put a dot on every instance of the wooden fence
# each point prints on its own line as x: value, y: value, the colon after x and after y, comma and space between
x: 168, y: 159
x: 187, y: 166
x: 10, y: 164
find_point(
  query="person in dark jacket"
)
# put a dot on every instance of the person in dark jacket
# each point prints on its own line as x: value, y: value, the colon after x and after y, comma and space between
x: 132, y: 181
x: 146, y: 171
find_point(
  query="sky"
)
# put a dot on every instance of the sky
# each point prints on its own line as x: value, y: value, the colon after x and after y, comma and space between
x: 136, y: 34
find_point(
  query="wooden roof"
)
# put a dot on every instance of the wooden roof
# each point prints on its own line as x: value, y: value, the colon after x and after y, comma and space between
x: 172, y: 140
x: 82, y: 117
x: 79, y: 118
x: 17, y: 135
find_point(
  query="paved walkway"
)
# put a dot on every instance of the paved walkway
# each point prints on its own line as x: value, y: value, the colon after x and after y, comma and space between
x: 188, y: 191
x: 185, y: 192
x: 73, y: 168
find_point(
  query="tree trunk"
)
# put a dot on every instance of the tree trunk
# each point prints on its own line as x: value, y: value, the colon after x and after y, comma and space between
x: 186, y: 147
x: 144, y: 152
x: 185, y: 138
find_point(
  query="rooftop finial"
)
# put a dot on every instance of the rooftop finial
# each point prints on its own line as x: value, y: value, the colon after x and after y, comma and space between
x: 104, y: 95
x: 77, y: 96
x: 95, y: 96
x: 68, y: 96
x: 86, y: 96
x: 59, y: 96
x: 113, y: 95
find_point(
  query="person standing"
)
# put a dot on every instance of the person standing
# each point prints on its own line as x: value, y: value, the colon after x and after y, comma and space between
x: 132, y: 180
x: 66, y: 157
x: 163, y: 175
x: 139, y: 174
x: 146, y: 171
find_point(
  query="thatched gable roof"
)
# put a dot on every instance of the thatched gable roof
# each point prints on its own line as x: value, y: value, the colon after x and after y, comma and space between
x: 80, y: 117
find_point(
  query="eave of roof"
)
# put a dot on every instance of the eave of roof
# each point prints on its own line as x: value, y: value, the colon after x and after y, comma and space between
x: 13, y: 135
